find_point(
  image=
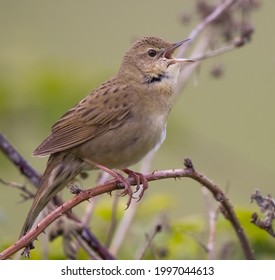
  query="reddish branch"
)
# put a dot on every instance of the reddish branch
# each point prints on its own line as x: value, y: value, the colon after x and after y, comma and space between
x: 110, y: 186
x: 220, y: 16
x: 31, y: 174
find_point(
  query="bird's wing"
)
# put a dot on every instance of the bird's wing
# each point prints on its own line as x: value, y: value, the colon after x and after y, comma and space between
x: 102, y: 110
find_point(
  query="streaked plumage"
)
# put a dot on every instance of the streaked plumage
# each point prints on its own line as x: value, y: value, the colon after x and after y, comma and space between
x: 116, y: 125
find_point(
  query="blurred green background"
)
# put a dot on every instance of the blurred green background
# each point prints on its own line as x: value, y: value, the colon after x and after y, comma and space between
x: 52, y: 53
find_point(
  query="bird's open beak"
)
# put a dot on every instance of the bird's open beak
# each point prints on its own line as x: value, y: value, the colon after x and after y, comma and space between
x: 167, y: 53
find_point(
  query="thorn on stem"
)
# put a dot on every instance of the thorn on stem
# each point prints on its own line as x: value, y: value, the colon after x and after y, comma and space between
x: 188, y: 163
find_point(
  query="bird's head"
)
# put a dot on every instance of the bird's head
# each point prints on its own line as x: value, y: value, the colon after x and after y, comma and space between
x: 151, y: 59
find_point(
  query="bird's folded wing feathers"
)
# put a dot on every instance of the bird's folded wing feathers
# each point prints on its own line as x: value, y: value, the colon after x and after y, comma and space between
x: 88, y: 119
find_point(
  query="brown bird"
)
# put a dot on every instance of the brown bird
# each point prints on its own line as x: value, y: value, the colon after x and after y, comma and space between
x: 116, y: 125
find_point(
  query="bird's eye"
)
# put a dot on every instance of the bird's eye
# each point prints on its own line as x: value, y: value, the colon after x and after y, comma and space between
x: 152, y: 53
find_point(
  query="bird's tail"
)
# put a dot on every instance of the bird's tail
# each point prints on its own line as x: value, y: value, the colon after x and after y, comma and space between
x: 60, y: 170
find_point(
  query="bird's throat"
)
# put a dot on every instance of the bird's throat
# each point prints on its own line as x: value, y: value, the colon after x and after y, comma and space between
x: 155, y: 79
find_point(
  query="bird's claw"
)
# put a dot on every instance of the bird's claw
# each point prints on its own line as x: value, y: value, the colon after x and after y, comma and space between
x: 123, y: 182
x: 140, y: 180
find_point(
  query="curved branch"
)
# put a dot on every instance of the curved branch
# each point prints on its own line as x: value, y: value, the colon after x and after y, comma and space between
x: 31, y: 174
x: 24, y: 167
x: 110, y: 186
x: 221, y: 8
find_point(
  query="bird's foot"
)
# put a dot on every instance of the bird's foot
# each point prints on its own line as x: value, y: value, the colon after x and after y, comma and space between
x: 140, y: 180
x: 120, y: 180
x: 127, y: 187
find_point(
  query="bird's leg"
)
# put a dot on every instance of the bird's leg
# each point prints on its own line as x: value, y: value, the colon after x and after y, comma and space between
x: 128, y: 191
x: 139, y: 177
